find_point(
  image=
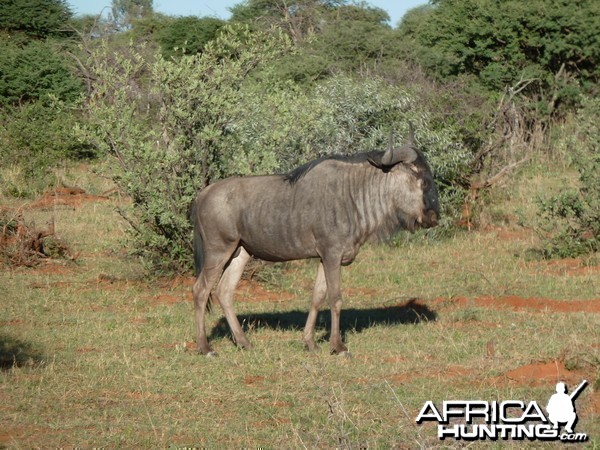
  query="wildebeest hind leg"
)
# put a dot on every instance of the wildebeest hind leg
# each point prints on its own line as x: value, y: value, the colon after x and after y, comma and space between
x: 225, y: 290
x: 318, y: 296
x: 206, y: 279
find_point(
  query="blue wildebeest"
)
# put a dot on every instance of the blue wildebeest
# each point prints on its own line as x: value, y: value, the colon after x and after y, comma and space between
x: 324, y: 209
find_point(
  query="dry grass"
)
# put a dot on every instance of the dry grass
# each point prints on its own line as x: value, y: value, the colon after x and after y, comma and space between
x: 93, y: 355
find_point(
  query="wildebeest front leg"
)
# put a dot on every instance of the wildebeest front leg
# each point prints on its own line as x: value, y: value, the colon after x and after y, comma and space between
x: 225, y: 290
x: 332, y: 277
x: 319, y: 294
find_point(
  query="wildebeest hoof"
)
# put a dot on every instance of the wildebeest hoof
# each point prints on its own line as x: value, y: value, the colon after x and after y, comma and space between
x: 343, y: 352
x: 212, y: 354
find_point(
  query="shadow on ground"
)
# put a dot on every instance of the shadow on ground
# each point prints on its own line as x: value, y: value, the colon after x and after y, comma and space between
x: 352, y: 319
x: 17, y: 353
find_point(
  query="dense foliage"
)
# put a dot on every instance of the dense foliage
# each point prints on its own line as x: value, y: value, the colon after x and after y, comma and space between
x: 179, y: 102
x: 36, y: 18
x: 36, y: 87
x: 32, y: 71
x: 553, y: 44
x: 571, y: 219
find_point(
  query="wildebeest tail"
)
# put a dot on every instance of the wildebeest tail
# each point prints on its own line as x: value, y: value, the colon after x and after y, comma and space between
x: 198, y: 248
x: 198, y: 244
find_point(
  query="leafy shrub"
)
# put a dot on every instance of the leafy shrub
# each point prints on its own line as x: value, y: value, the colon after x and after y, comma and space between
x: 549, y: 43
x: 187, y: 35
x: 167, y: 124
x: 40, y: 18
x: 31, y: 70
x: 34, y: 138
x: 571, y: 219
x: 175, y: 126
x: 36, y: 84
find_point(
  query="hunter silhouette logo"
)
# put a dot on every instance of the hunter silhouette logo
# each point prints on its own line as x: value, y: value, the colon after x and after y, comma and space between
x: 510, y: 419
x: 561, y: 407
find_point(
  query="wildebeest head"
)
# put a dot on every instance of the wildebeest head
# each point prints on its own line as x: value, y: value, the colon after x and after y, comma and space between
x: 419, y: 205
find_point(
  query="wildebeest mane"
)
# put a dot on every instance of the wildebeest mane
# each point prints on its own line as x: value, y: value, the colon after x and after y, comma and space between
x: 296, y: 174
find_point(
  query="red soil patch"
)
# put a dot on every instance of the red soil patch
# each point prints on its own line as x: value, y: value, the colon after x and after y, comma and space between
x: 191, y: 345
x: 138, y: 321
x: 65, y: 196
x: 10, y: 435
x: 543, y: 372
x: 177, y: 282
x: 249, y: 291
x: 395, y: 359
x: 166, y: 299
x: 454, y: 371
x: 568, y: 266
x: 84, y: 350
x: 532, y: 303
x: 360, y: 292
x: 250, y: 379
x: 49, y: 267
x: 246, y: 291
x: 14, y: 322
x: 506, y: 234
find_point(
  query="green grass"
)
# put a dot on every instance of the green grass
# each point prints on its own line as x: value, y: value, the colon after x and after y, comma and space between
x: 101, y: 356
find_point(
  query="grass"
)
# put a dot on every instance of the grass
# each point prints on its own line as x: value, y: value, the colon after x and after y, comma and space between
x: 93, y: 355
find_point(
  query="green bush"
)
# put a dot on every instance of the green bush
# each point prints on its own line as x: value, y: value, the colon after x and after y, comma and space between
x: 38, y: 19
x: 168, y: 125
x: 31, y: 70
x: 34, y: 138
x: 571, y: 219
x: 550, y: 44
x: 175, y: 126
x: 187, y: 35
x: 36, y: 85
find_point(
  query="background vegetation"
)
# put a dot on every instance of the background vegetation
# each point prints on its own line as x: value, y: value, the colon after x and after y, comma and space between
x: 171, y: 104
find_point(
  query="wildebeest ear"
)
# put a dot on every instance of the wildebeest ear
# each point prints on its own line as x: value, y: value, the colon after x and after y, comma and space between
x: 404, y: 154
x: 375, y: 159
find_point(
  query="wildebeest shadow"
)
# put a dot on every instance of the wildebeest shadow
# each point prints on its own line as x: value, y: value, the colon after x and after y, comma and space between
x: 17, y: 353
x: 352, y: 319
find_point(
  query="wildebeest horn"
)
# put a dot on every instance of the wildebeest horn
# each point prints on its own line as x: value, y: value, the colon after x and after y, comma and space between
x: 405, y: 154
x: 393, y: 156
